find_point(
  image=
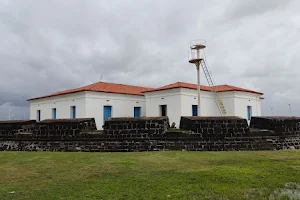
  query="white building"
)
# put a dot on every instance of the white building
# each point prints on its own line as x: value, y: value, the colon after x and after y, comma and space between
x: 102, y: 100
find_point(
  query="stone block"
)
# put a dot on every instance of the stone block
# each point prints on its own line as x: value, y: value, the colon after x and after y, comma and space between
x: 13, y: 127
x: 143, y: 125
x: 277, y: 124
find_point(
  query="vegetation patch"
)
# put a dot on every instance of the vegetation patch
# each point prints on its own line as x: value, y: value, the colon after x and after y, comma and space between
x: 150, y: 175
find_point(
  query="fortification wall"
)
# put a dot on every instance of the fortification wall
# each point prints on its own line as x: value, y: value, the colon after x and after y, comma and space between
x: 143, y: 127
x: 147, y: 134
x: 279, y: 125
x: 12, y: 128
x: 216, y: 127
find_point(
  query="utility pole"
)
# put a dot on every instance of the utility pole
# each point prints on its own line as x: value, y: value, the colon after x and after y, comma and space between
x: 9, y: 112
x: 198, y: 86
x: 195, y: 57
x: 290, y: 109
x: 272, y: 111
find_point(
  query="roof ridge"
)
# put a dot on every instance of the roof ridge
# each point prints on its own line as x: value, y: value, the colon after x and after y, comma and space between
x: 139, y: 90
x: 234, y: 87
x: 231, y: 86
x: 126, y: 85
x: 93, y: 85
x: 181, y: 84
x: 203, y: 87
x: 167, y: 85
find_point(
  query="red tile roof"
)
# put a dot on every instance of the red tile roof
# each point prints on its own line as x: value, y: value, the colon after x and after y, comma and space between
x: 219, y: 88
x: 102, y: 87
x: 137, y: 90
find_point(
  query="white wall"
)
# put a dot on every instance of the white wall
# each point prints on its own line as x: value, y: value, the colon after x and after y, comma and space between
x: 88, y: 105
x: 228, y: 101
x: 180, y: 100
x: 179, y: 103
x: 235, y: 103
x: 207, y: 102
x: 242, y: 100
x: 189, y: 97
x: 62, y: 104
x: 171, y: 98
x: 122, y: 105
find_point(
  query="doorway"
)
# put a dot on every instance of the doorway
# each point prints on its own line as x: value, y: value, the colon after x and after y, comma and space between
x: 194, y: 110
x: 137, y: 112
x: 106, y: 113
x: 163, y: 110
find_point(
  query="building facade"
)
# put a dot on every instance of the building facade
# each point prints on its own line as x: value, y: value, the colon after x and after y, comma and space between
x: 102, y: 100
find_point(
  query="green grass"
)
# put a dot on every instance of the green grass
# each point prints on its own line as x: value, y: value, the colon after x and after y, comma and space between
x: 149, y: 175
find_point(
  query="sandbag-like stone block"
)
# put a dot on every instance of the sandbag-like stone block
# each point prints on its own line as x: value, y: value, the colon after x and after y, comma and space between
x: 216, y: 127
x: 133, y: 127
x: 63, y: 128
x: 280, y: 125
x: 11, y: 128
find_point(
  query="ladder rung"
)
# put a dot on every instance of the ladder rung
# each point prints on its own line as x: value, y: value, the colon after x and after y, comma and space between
x: 219, y: 102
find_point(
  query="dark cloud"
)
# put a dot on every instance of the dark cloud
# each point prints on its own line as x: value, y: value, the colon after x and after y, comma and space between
x: 47, y: 46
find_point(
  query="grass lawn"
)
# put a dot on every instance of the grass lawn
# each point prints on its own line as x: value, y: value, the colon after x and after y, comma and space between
x: 150, y: 175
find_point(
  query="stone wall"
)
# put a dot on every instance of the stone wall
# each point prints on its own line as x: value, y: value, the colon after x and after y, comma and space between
x: 216, y: 127
x: 12, y: 128
x: 153, y: 144
x: 280, y: 125
x: 46, y: 129
x: 148, y: 134
x: 63, y: 128
x: 136, y: 127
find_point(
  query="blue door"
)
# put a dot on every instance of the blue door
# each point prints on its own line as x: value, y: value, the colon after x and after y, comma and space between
x: 195, y: 110
x: 73, y: 112
x: 38, y: 117
x: 249, y: 112
x: 137, y: 111
x: 106, y: 112
x: 54, y: 113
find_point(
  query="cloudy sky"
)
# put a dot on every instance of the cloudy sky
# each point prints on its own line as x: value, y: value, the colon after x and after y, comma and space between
x: 48, y: 46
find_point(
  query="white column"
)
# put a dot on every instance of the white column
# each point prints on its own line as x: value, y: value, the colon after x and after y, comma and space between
x: 198, y: 86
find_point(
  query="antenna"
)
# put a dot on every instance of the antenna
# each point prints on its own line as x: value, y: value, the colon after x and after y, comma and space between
x: 101, y: 78
x: 197, y: 57
x: 9, y: 111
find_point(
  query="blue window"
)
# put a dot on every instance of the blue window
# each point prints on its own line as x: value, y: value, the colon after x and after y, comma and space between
x: 249, y: 112
x: 195, y: 110
x: 137, y: 111
x: 73, y: 112
x: 53, y: 113
x: 106, y: 113
x: 38, y: 115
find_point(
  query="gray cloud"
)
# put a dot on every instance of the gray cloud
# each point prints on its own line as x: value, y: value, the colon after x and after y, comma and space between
x: 47, y: 46
x: 251, y: 8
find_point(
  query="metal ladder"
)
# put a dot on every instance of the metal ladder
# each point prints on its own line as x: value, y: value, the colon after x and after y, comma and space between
x: 211, y: 84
